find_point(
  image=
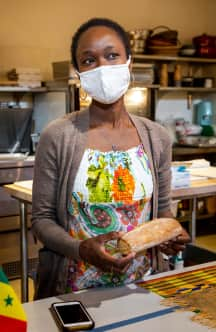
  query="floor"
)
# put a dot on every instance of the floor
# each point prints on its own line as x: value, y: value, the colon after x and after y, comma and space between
x: 10, y: 253
x: 207, y: 241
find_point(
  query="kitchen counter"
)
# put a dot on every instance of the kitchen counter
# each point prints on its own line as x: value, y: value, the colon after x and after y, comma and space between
x: 15, y: 169
x: 16, y: 162
x: 12, y: 170
x: 120, y: 309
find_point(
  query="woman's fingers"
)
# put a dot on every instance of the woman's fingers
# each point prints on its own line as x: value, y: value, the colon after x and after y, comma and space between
x: 184, y: 237
x: 117, y: 265
x: 122, y: 270
x: 103, y: 238
x: 93, y: 251
x: 171, y: 247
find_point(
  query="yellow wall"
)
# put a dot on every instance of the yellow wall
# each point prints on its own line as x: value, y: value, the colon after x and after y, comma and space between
x: 36, y: 33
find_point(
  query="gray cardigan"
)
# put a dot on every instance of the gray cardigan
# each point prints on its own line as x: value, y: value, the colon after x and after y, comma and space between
x: 58, y: 156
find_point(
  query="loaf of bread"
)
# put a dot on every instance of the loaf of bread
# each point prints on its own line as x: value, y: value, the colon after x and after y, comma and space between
x: 149, y: 234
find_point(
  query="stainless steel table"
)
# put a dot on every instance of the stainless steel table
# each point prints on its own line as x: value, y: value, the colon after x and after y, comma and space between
x: 198, y: 188
x: 120, y: 309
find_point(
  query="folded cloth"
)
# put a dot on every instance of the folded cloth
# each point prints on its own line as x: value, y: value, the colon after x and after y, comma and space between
x: 195, y: 163
x: 207, y: 172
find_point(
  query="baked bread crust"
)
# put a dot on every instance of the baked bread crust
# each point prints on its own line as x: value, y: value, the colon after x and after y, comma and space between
x: 148, y: 235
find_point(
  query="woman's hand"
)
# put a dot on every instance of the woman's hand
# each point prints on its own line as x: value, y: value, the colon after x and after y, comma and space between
x: 172, y: 247
x: 93, y: 251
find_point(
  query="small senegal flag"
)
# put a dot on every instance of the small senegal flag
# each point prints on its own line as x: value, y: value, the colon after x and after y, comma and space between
x: 12, y: 315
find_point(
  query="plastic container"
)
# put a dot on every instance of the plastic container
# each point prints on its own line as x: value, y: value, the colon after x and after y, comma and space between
x: 35, y: 139
x: 179, y: 261
x: 204, y: 113
x: 177, y: 76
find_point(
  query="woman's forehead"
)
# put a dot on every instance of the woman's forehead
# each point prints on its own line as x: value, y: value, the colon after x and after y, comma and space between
x: 99, y: 36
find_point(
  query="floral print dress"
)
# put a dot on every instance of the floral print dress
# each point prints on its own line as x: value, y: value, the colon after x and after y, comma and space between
x: 112, y: 191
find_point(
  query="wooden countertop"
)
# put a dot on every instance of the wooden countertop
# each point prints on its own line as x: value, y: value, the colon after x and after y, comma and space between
x: 23, y: 190
x: 198, y: 188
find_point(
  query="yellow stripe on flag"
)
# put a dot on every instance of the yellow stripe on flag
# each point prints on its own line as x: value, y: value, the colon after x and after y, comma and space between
x: 9, y: 303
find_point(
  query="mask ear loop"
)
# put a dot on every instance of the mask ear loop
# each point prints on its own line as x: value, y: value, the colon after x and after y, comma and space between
x: 132, y: 77
x: 132, y: 80
x: 83, y: 94
x: 128, y: 60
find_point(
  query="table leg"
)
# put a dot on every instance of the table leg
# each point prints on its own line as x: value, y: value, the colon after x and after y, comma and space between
x: 193, y: 220
x: 24, y: 251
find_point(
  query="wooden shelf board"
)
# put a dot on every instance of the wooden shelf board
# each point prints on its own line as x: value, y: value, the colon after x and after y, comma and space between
x: 172, y: 58
x: 198, y: 217
x: 21, y: 89
x: 138, y: 84
x: 177, y: 151
x: 188, y: 89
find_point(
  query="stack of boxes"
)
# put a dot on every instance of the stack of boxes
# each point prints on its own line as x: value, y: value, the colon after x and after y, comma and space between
x: 180, y: 176
x: 26, y: 77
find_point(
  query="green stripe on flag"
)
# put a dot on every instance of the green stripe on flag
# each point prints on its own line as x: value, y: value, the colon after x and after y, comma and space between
x: 3, y: 277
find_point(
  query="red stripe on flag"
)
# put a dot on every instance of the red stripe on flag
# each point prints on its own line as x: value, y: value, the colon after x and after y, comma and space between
x: 8, y: 324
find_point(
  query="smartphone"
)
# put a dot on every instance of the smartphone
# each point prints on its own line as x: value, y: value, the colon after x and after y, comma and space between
x: 72, y: 316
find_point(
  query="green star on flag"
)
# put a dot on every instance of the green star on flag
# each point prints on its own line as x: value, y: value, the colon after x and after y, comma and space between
x: 12, y: 315
x: 8, y: 300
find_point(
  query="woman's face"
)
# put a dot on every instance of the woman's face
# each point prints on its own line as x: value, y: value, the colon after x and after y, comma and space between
x: 99, y: 46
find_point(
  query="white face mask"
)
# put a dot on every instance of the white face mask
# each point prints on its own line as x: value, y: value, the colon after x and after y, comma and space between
x: 106, y: 84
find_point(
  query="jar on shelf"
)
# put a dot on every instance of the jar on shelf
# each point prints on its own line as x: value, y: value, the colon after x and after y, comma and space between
x: 177, y: 75
x: 164, y: 75
x: 138, y: 40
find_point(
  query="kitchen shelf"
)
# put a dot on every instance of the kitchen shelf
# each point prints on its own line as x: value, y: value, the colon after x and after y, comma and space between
x: 137, y: 84
x: 189, y: 150
x: 21, y: 89
x: 205, y: 216
x: 187, y: 217
x: 142, y: 57
x: 172, y: 88
x: 188, y: 89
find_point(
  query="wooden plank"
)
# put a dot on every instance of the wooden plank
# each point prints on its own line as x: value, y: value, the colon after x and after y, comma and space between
x: 198, y: 188
x: 21, y: 190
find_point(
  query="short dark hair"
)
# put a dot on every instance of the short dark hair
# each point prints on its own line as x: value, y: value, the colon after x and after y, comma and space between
x: 95, y: 22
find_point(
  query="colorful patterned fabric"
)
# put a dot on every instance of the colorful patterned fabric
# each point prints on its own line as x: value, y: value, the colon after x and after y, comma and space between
x: 191, y: 291
x: 112, y: 192
x: 12, y: 315
x: 183, y: 282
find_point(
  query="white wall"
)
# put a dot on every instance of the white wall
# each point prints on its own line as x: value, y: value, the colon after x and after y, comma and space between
x: 36, y: 33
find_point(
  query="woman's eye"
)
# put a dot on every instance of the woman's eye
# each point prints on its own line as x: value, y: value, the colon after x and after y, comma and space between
x: 112, y: 56
x: 87, y: 62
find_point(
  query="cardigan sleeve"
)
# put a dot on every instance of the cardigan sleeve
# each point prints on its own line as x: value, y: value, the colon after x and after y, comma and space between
x: 164, y: 174
x: 45, y: 222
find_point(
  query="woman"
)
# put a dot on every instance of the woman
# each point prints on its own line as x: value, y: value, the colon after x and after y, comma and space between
x: 97, y: 173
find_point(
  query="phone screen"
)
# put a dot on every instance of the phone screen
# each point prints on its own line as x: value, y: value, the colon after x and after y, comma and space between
x: 72, y: 313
